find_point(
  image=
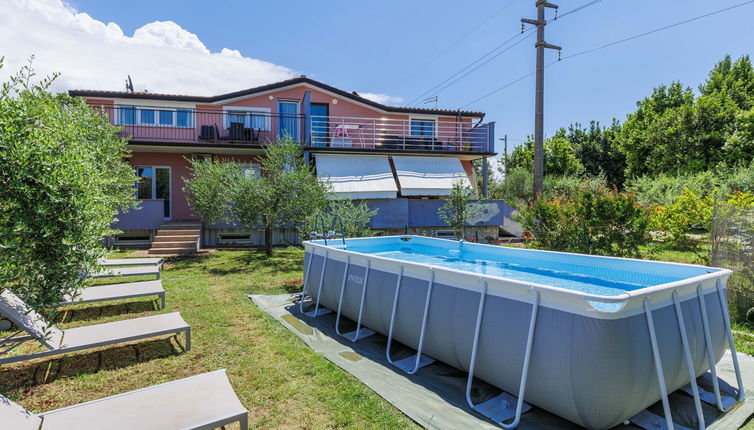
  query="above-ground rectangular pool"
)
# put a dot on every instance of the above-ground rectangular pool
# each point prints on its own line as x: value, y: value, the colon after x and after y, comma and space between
x: 592, y: 339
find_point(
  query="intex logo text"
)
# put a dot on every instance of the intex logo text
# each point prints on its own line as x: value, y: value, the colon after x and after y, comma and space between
x: 356, y: 279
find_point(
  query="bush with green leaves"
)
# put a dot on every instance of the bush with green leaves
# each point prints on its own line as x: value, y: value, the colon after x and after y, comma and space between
x: 62, y: 180
x: 602, y: 222
x: 356, y: 217
x: 664, y: 189
x: 205, y: 190
x: 458, y: 211
x: 284, y: 196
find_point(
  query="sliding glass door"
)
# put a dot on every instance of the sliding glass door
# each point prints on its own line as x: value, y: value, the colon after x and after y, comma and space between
x: 154, y: 183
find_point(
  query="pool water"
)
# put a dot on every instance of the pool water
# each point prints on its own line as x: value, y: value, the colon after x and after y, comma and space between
x: 613, y: 279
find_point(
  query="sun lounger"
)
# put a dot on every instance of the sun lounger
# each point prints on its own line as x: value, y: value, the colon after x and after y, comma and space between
x: 129, y: 290
x: 203, y: 401
x: 132, y: 262
x: 81, y: 338
x: 112, y: 272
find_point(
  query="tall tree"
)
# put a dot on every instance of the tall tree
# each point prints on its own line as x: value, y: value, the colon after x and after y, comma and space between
x: 287, y: 192
x: 63, y: 178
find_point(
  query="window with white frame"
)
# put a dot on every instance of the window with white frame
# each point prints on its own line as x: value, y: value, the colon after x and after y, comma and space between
x: 423, y: 126
x: 149, y: 116
x: 256, y: 118
x: 250, y: 170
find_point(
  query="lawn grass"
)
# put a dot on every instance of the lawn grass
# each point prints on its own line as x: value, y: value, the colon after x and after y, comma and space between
x: 277, y: 377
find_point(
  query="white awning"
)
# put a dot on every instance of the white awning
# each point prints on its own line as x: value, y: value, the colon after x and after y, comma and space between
x: 425, y: 176
x: 357, y: 176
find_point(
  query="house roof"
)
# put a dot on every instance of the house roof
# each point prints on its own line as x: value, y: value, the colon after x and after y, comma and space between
x: 273, y: 86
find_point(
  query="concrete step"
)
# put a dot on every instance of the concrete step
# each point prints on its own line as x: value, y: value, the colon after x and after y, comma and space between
x: 186, y: 245
x: 175, y: 238
x: 179, y: 232
x: 180, y: 226
x: 171, y: 251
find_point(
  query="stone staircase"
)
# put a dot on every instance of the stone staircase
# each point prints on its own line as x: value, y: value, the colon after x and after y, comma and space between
x: 176, y: 238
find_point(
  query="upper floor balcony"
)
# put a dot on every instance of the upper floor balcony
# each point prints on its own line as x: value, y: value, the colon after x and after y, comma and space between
x: 254, y: 128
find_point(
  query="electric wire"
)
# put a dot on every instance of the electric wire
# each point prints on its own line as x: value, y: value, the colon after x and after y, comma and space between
x: 434, y: 93
x: 486, y: 58
x: 453, y: 45
x: 607, y: 45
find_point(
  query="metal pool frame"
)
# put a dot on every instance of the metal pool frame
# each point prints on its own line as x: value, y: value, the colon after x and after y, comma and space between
x: 499, y: 409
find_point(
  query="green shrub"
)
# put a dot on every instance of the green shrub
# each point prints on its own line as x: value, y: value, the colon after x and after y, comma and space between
x: 206, y: 189
x: 457, y: 211
x: 62, y: 180
x: 664, y: 189
x: 356, y: 218
x: 602, y: 222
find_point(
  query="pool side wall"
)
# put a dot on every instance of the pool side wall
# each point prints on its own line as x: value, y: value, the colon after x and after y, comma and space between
x: 593, y: 371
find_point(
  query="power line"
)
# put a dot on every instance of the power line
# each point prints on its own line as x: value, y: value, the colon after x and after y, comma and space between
x: 584, y: 6
x: 432, y: 90
x: 607, y: 45
x: 686, y: 21
x: 453, y: 45
x: 477, y: 60
x: 577, y: 9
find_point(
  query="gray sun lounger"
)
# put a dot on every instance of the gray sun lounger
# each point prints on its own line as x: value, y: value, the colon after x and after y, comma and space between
x: 128, y: 290
x: 112, y: 272
x: 132, y: 262
x: 81, y: 338
x: 205, y: 401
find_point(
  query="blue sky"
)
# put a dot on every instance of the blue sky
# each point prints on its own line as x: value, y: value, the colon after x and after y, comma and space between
x: 375, y: 46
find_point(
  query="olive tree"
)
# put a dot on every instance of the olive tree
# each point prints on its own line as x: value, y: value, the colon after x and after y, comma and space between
x: 206, y: 189
x: 62, y: 180
x: 285, y: 194
x: 458, y: 211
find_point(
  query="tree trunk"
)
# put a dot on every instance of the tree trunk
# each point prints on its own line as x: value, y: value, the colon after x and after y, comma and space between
x: 268, y: 241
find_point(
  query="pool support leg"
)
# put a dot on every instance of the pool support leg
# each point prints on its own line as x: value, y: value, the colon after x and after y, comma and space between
x: 720, y: 402
x: 306, y: 278
x: 498, y: 409
x: 316, y: 312
x: 392, y: 316
x: 731, y: 343
x: 419, y: 359
x: 658, y: 365
x: 359, y: 333
x: 689, y: 362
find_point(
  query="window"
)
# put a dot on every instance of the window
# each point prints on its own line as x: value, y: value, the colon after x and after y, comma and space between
x: 422, y: 127
x: 250, y: 170
x: 127, y: 115
x: 256, y: 118
x: 147, y: 116
x: 184, y: 118
x: 166, y: 117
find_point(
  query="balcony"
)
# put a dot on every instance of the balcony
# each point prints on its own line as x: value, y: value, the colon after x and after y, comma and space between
x: 254, y: 128
x: 416, y: 135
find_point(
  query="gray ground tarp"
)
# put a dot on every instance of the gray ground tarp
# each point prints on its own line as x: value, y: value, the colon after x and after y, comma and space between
x: 434, y: 397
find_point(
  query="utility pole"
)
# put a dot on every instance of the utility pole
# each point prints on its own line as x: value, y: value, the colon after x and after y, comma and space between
x: 539, y: 156
x: 504, y: 139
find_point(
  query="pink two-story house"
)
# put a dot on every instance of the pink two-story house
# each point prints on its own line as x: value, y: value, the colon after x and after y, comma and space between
x: 396, y: 158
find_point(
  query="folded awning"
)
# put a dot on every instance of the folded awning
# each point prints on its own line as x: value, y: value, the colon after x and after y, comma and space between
x: 424, y: 176
x: 357, y: 176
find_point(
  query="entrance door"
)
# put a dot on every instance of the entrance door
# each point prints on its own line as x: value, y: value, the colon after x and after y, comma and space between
x: 154, y: 183
x: 320, y: 114
x: 288, y: 123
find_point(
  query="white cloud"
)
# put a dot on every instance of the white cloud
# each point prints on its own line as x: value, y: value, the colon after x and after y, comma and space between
x: 382, y: 98
x: 89, y: 54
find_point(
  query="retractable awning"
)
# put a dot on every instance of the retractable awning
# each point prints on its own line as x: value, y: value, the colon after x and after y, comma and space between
x: 357, y: 176
x: 424, y: 176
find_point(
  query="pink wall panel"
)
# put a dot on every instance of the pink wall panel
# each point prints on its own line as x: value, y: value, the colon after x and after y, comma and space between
x: 179, y: 169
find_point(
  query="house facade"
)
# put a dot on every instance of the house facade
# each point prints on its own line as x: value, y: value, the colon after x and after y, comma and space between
x: 401, y: 160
